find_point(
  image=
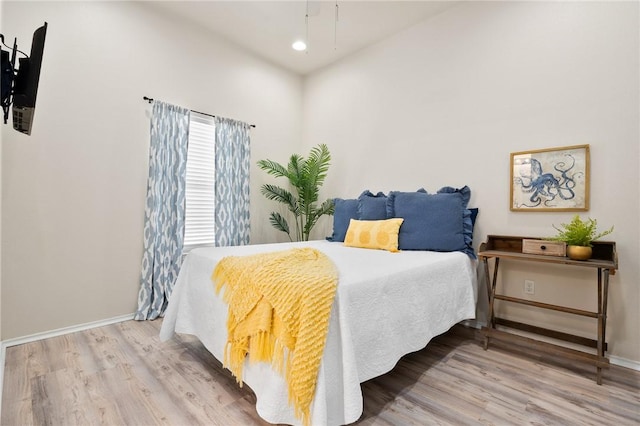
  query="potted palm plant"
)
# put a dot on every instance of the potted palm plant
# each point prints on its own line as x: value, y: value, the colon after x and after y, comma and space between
x: 578, y: 234
x: 305, y: 176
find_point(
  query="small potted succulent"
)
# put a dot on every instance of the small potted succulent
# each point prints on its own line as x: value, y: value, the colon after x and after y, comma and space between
x: 578, y: 235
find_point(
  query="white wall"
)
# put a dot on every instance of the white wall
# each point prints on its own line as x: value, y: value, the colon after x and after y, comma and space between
x: 447, y: 101
x: 73, y: 192
x: 1, y: 145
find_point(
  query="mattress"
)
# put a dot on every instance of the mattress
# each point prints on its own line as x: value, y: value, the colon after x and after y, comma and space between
x: 386, y: 305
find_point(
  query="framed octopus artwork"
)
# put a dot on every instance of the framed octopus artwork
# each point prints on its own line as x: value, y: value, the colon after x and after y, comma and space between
x: 553, y: 179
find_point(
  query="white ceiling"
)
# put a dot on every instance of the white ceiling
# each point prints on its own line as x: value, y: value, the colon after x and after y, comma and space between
x: 268, y: 28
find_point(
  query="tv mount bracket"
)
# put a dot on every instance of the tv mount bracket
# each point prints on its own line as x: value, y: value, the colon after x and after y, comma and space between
x: 8, y: 76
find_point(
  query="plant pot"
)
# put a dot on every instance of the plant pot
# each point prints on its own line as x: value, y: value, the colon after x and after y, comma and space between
x: 579, y: 252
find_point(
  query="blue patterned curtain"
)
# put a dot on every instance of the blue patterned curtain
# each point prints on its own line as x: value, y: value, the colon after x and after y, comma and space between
x: 164, y: 211
x: 232, y: 182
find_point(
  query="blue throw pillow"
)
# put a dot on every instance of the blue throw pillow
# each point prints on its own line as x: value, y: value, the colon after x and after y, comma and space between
x: 474, y: 214
x: 439, y: 222
x: 372, y: 207
x: 344, y: 211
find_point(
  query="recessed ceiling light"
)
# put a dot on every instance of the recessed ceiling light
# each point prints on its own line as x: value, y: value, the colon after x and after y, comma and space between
x: 299, y: 45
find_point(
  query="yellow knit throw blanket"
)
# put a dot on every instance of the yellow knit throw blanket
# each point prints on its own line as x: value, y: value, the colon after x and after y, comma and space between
x: 279, y: 307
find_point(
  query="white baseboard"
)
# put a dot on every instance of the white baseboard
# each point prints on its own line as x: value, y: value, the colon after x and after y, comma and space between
x: 623, y: 362
x: 65, y: 330
x: 53, y: 333
x: 473, y: 323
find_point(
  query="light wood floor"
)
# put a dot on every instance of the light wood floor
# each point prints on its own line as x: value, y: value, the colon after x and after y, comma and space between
x: 123, y: 375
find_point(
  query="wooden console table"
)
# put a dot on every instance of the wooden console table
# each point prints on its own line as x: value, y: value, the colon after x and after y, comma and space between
x: 604, y: 260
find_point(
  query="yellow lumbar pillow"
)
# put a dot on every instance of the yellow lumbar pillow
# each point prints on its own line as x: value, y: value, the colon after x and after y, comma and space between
x: 374, y: 234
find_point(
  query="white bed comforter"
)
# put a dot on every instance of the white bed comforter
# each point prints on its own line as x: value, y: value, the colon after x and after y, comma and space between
x: 387, y: 305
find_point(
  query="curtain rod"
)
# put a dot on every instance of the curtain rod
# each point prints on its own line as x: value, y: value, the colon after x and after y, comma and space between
x: 150, y: 100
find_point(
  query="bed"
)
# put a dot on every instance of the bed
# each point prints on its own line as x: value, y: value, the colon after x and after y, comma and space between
x: 386, y: 305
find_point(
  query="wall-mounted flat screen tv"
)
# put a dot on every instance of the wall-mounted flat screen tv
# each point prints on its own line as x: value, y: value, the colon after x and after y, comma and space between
x: 20, y: 87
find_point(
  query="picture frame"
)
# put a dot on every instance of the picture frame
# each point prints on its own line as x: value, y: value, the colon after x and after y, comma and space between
x: 553, y: 179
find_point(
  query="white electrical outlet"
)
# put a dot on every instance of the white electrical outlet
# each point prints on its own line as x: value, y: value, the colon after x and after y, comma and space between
x: 529, y: 287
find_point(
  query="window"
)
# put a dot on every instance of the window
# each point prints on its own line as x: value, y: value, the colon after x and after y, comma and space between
x: 199, y: 227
